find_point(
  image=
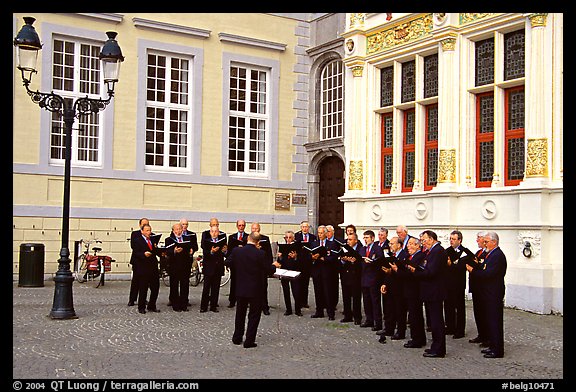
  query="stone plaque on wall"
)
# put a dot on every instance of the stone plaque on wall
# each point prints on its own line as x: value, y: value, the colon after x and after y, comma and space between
x: 282, y: 201
x: 298, y: 199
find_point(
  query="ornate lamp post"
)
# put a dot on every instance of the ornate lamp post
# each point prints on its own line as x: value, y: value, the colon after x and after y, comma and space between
x: 27, y: 45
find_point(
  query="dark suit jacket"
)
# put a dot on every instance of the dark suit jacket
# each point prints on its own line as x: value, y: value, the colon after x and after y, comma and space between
x: 193, y: 239
x: 472, y: 282
x: 303, y: 256
x: 140, y: 262
x: 233, y: 242
x: 372, y: 274
x: 490, y: 279
x: 351, y: 273
x: 432, y: 274
x: 251, y: 269
x: 456, y: 272
x: 213, y: 264
x: 410, y: 284
x: 179, y: 260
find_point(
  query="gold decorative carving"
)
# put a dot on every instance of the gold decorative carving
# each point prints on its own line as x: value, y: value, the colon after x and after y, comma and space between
x: 471, y: 17
x: 356, y: 176
x: 448, y: 44
x: 537, y: 158
x: 538, y: 20
x: 357, y: 20
x: 357, y: 70
x: 400, y: 33
x: 447, y: 166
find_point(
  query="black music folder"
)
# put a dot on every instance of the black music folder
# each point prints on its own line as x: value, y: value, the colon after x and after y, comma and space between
x: 287, y: 248
x: 321, y: 250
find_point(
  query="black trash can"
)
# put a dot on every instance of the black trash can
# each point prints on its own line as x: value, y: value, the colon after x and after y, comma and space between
x: 31, y: 265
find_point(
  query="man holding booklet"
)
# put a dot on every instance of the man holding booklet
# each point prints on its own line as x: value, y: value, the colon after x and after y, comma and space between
x: 177, y: 247
x: 288, y: 260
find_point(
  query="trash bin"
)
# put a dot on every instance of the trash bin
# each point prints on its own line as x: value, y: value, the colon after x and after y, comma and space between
x: 31, y: 265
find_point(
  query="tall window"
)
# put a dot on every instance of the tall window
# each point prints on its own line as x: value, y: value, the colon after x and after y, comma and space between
x: 431, y: 148
x: 507, y: 82
x: 248, y: 121
x: 332, y: 104
x: 408, y: 150
x: 76, y: 73
x: 387, y: 151
x: 168, y: 112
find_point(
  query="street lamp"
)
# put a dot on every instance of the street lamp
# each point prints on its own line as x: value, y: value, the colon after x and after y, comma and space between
x: 27, y: 45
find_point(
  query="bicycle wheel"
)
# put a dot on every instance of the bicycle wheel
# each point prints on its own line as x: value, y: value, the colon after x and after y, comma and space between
x: 82, y: 269
x: 165, y: 277
x: 225, y: 278
x: 195, y: 277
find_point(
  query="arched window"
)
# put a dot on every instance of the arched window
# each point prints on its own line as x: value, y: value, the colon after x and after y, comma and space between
x: 331, y: 101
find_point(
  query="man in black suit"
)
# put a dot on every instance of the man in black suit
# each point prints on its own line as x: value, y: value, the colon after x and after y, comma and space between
x: 145, y: 264
x: 388, y: 315
x: 252, y: 269
x: 305, y: 237
x: 350, y: 280
x: 289, y: 261
x: 455, y: 304
x: 396, y: 312
x: 431, y: 274
x: 179, y: 266
x: 478, y: 262
x: 235, y: 240
x: 213, y: 270
x: 133, y: 296
x: 193, y: 249
x: 266, y: 246
x: 492, y: 288
x: 411, y: 256
x: 371, y: 282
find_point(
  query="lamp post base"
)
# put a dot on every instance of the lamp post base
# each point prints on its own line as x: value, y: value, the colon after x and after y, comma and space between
x: 63, y: 305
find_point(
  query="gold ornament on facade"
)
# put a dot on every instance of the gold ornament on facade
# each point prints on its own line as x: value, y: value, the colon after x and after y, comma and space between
x: 357, y: 70
x: 447, y: 166
x: 537, y: 158
x: 357, y: 20
x: 400, y: 33
x: 471, y: 17
x: 448, y: 44
x: 356, y: 176
x: 538, y: 20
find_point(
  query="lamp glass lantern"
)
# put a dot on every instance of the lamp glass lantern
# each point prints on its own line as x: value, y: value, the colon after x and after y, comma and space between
x: 27, y: 45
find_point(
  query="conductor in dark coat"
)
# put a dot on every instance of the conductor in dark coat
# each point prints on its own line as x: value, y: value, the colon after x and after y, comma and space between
x: 145, y: 263
x: 252, y: 269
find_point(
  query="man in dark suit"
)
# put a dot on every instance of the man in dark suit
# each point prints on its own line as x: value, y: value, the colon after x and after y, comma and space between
x: 235, y: 240
x: 133, y: 296
x: 193, y: 249
x: 455, y: 304
x: 371, y: 282
x: 145, y: 264
x: 478, y: 263
x: 350, y: 280
x: 213, y: 270
x: 252, y: 269
x: 289, y: 261
x: 266, y: 246
x: 318, y: 265
x: 388, y: 315
x: 395, y: 320
x: 413, y: 256
x: 492, y: 288
x: 431, y: 274
x: 179, y: 265
x: 305, y: 237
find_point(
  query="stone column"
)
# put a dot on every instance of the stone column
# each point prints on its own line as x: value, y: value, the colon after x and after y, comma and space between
x: 537, y: 127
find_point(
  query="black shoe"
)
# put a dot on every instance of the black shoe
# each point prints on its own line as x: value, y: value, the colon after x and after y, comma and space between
x: 143, y: 311
x: 357, y: 322
x: 185, y: 309
x: 266, y: 313
x: 366, y: 325
x: 215, y: 310
x: 298, y: 314
x: 231, y: 305
x: 317, y: 315
x: 433, y: 355
x: 346, y: 320
x: 131, y: 303
x: 411, y: 344
x: 475, y: 340
x: 448, y: 332
x: 169, y: 303
x: 250, y: 345
x: 287, y: 313
x: 380, y: 332
x: 428, y: 329
x: 382, y: 339
x: 458, y: 336
x: 237, y: 342
x: 397, y: 336
x: 306, y: 306
x: 484, y: 344
x: 487, y: 351
x: 154, y: 310
x: 493, y: 355
x: 177, y: 309
x: 203, y: 310
x: 377, y: 328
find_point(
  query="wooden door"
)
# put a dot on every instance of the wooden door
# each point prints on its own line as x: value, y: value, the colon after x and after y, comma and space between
x: 332, y: 186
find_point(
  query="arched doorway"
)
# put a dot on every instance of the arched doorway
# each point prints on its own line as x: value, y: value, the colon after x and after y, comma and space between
x: 332, y: 186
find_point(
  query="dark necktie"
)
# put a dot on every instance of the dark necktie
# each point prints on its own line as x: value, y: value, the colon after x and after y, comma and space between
x: 305, y: 237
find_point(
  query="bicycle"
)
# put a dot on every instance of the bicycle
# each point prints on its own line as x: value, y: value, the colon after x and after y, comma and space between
x: 196, y: 276
x: 91, y: 267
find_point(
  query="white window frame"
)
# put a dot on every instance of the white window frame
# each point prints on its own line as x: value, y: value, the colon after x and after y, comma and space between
x: 332, y: 129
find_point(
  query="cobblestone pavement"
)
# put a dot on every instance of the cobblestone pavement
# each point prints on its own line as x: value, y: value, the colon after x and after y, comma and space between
x: 111, y: 340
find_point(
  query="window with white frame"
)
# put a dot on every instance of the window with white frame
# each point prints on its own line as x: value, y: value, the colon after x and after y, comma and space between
x: 168, y: 112
x: 75, y: 74
x: 332, y: 102
x: 248, y: 122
